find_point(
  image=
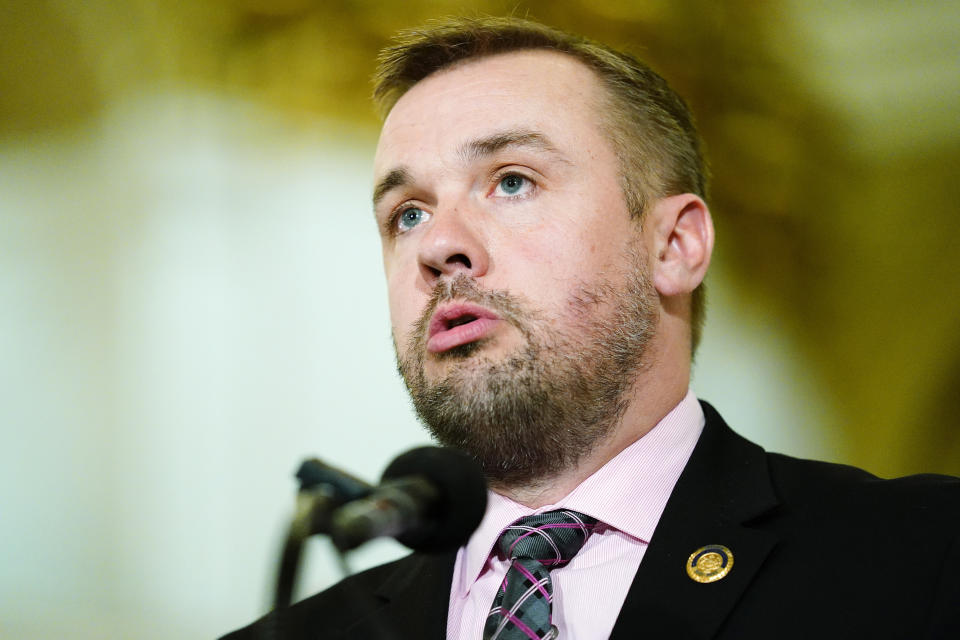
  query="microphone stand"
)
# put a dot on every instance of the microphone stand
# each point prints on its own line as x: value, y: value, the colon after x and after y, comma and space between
x: 429, y: 499
x: 323, y: 489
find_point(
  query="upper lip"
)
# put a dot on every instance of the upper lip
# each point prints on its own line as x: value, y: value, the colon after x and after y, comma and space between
x: 448, y: 316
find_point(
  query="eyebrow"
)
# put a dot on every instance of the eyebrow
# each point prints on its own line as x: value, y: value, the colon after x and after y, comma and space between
x: 471, y: 152
x: 396, y: 178
x: 489, y: 145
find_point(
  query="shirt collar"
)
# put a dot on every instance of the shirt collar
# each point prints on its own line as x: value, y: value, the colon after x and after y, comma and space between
x: 628, y: 493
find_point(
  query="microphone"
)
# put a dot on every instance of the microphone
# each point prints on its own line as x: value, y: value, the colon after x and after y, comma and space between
x: 313, y: 473
x: 429, y: 499
x: 323, y: 489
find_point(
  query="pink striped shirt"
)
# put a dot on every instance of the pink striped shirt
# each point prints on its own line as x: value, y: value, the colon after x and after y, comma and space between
x: 627, y: 495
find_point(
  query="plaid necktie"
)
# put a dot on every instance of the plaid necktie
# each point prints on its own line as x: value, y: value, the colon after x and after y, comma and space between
x: 535, y: 545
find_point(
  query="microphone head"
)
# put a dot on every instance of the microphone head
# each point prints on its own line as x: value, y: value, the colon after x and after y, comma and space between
x: 462, y: 501
x: 342, y: 486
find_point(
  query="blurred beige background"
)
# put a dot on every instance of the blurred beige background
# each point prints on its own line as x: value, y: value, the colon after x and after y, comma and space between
x: 190, y: 288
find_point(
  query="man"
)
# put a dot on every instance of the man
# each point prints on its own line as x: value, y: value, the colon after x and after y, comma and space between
x: 545, y: 238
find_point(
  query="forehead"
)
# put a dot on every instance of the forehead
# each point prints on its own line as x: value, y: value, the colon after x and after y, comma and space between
x: 535, y: 90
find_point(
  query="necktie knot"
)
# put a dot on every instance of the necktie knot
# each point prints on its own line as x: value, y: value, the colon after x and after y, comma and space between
x: 552, y: 538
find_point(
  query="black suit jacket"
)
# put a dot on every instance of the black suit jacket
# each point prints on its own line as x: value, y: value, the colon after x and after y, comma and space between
x: 820, y: 551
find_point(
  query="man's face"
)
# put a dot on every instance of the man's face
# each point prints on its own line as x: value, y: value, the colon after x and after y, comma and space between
x: 516, y: 276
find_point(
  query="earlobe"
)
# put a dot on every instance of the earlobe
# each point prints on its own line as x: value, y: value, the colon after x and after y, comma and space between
x: 683, y: 243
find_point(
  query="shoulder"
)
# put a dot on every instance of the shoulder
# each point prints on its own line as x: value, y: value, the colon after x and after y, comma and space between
x: 824, y: 486
x: 817, y: 546
x: 335, y: 609
x: 887, y: 544
x: 888, y: 549
x: 836, y: 489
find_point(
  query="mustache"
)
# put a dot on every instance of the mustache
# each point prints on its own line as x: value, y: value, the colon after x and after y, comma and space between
x: 509, y: 307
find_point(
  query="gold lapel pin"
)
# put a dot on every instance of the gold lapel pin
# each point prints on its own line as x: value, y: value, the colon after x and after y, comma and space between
x: 709, y: 563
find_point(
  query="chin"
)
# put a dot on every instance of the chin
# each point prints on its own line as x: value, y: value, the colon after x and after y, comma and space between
x: 466, y: 370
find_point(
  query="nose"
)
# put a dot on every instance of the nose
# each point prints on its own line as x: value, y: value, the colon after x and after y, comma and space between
x: 451, y: 246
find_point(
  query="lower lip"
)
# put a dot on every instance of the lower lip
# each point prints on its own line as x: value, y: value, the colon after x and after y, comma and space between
x: 460, y: 335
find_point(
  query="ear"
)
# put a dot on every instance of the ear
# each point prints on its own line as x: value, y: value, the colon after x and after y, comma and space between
x: 681, y: 243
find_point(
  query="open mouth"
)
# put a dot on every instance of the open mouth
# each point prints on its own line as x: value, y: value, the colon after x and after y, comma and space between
x: 461, y: 320
x: 459, y: 324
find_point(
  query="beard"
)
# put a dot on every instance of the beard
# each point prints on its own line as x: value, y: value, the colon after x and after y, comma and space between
x: 534, y: 413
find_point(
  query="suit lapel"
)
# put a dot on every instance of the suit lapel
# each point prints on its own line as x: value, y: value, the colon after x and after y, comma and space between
x: 724, y: 485
x: 415, y: 599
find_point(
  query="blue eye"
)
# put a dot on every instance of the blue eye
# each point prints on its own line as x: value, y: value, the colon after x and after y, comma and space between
x: 512, y: 184
x: 411, y: 217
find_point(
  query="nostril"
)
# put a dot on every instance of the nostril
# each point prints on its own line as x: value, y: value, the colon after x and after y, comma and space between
x: 459, y: 259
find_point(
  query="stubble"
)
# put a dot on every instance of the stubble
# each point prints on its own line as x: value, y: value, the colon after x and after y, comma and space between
x: 537, y: 412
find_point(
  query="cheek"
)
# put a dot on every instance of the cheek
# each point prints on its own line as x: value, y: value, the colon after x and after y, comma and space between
x: 393, y: 273
x: 551, y: 258
x: 551, y: 242
x: 399, y: 300
x: 406, y: 303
